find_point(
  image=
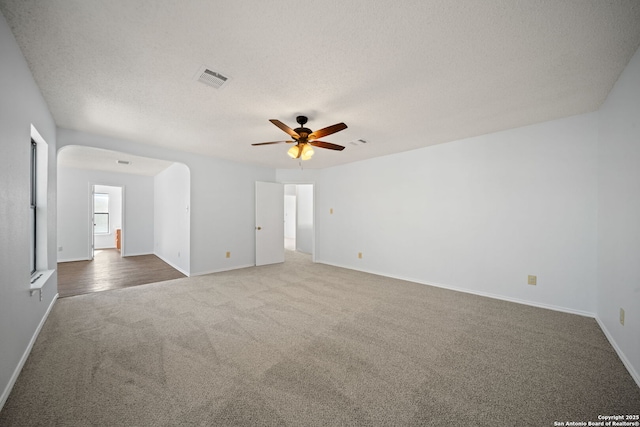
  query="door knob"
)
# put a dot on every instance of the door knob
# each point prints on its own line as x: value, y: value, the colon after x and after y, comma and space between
x: 259, y: 228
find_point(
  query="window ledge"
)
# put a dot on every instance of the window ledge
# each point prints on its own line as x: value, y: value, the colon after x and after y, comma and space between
x: 38, y: 280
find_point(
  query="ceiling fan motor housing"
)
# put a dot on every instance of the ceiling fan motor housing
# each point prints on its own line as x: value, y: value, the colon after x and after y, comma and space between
x: 303, y: 132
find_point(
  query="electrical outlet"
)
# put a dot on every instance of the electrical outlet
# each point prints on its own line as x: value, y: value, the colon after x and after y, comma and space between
x: 59, y: 248
x: 622, y: 316
x: 228, y: 255
x: 360, y: 255
x: 532, y: 280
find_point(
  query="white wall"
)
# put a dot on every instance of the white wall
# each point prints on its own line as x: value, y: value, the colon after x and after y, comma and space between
x: 108, y: 241
x: 74, y: 196
x: 304, y: 229
x: 478, y: 214
x: 21, y: 105
x: 172, y: 206
x: 298, y: 176
x: 619, y: 215
x: 289, y: 214
x: 222, y: 200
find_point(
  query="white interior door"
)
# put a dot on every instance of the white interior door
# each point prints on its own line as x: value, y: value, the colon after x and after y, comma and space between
x: 269, y: 223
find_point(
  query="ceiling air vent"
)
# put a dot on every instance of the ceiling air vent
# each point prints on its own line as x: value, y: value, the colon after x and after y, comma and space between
x: 123, y: 162
x: 358, y: 142
x: 211, y: 78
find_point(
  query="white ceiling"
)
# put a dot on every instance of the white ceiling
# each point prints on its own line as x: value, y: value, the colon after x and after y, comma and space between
x: 400, y: 74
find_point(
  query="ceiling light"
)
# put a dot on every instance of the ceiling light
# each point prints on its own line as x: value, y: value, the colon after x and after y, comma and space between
x: 294, y: 151
x: 305, y: 138
x: 307, y: 152
x: 302, y: 151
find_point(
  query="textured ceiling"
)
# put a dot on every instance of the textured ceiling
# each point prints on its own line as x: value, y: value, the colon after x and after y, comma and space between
x: 400, y: 74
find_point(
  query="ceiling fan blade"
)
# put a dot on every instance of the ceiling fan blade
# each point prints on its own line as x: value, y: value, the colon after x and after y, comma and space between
x: 328, y: 145
x: 273, y: 142
x: 285, y: 128
x: 327, y: 131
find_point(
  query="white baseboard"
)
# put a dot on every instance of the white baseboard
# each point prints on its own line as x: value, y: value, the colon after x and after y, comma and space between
x: 138, y: 254
x: 25, y: 355
x: 621, y: 355
x: 473, y: 292
x: 220, y: 270
x: 186, y: 273
x: 74, y: 259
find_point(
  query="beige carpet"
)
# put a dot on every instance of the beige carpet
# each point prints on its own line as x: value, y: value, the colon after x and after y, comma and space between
x: 303, y: 344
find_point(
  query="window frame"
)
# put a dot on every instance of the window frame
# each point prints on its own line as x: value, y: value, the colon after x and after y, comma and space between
x: 33, y: 206
x: 96, y: 213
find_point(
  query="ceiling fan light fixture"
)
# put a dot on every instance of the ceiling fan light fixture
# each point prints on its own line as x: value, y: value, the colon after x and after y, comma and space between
x: 294, y: 152
x: 307, y: 152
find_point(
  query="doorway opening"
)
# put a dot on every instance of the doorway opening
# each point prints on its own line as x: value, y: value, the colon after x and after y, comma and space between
x: 153, y: 216
x: 299, y: 218
x: 106, y: 218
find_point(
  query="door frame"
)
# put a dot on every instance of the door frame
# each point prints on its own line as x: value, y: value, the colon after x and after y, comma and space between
x: 92, y: 189
x: 313, y: 228
x: 92, y: 221
x: 290, y: 217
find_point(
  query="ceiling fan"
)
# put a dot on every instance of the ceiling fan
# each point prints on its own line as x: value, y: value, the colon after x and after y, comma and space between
x: 305, y: 138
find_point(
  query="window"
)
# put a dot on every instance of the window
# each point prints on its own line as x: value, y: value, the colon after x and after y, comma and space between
x: 101, y: 213
x: 33, y: 205
x: 38, y: 210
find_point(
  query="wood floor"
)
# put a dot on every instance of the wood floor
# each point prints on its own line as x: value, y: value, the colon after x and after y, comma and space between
x: 109, y: 270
